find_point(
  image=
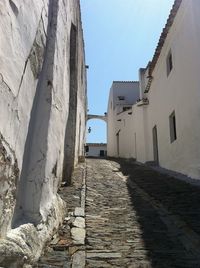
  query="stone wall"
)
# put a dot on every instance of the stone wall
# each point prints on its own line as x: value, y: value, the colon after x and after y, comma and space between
x: 42, y: 118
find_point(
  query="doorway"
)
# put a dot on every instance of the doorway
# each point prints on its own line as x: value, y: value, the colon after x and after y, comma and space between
x: 102, y: 154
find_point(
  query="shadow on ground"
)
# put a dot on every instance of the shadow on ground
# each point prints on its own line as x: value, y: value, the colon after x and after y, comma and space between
x: 164, y: 248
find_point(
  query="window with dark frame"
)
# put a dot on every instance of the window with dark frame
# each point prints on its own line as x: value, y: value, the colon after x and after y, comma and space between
x: 172, y: 127
x: 169, y: 62
x: 121, y: 97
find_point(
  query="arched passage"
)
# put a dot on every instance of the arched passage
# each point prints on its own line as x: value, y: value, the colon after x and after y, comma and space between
x: 96, y: 137
x: 94, y: 116
x: 98, y: 132
x: 96, y: 140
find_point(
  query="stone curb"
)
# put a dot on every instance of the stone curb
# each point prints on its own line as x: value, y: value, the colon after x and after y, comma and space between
x: 78, y: 231
x: 79, y: 259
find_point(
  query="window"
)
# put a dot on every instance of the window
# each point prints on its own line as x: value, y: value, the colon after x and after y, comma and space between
x: 121, y: 98
x: 169, y: 62
x: 155, y: 144
x: 126, y: 108
x: 172, y: 127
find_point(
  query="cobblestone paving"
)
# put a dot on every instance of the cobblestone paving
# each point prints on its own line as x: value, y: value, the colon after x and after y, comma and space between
x: 136, y: 217
x: 59, y: 251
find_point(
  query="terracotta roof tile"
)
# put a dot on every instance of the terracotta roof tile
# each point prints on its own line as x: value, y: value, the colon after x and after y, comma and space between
x: 164, y: 34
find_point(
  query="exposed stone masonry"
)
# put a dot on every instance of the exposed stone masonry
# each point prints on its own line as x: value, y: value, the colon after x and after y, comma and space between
x: 9, y: 174
x: 66, y: 246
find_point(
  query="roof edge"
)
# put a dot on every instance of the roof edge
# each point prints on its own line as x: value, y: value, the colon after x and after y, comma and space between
x: 164, y: 34
x: 96, y: 144
x: 125, y: 81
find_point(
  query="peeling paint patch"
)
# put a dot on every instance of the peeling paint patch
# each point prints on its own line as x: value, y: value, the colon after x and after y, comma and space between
x: 9, y: 175
x: 37, y: 52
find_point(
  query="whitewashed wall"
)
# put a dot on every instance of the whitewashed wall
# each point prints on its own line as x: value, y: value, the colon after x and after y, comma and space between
x: 177, y: 92
x: 34, y: 109
x: 94, y: 150
x: 130, y: 90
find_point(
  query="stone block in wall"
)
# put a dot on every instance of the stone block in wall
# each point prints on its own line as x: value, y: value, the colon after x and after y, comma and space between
x: 9, y: 174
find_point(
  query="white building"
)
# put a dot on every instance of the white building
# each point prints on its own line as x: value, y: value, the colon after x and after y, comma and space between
x: 96, y: 149
x: 164, y: 125
x: 122, y: 96
x: 42, y: 120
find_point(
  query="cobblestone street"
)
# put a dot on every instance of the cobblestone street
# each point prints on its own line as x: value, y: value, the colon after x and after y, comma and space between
x: 135, y: 217
x: 60, y: 249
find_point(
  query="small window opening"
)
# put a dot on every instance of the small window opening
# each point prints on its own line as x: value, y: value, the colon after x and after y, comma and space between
x: 121, y: 97
x: 169, y: 62
x: 172, y: 126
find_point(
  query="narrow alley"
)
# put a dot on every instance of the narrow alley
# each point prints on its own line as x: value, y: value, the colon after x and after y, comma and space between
x: 135, y: 217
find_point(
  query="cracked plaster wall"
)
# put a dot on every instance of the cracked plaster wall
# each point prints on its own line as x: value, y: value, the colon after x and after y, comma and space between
x: 34, y: 108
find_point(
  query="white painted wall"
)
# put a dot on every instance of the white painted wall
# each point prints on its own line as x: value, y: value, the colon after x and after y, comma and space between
x: 130, y: 90
x: 94, y: 149
x: 180, y: 92
x: 177, y: 92
x: 34, y: 109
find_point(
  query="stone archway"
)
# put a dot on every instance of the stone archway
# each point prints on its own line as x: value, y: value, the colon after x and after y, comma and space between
x: 98, y: 127
x: 101, y: 117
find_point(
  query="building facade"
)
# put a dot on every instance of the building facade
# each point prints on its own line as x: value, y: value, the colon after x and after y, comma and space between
x: 122, y: 96
x: 42, y: 119
x: 96, y: 149
x: 163, y: 126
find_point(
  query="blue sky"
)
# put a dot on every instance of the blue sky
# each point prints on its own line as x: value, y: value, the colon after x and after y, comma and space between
x: 120, y: 37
